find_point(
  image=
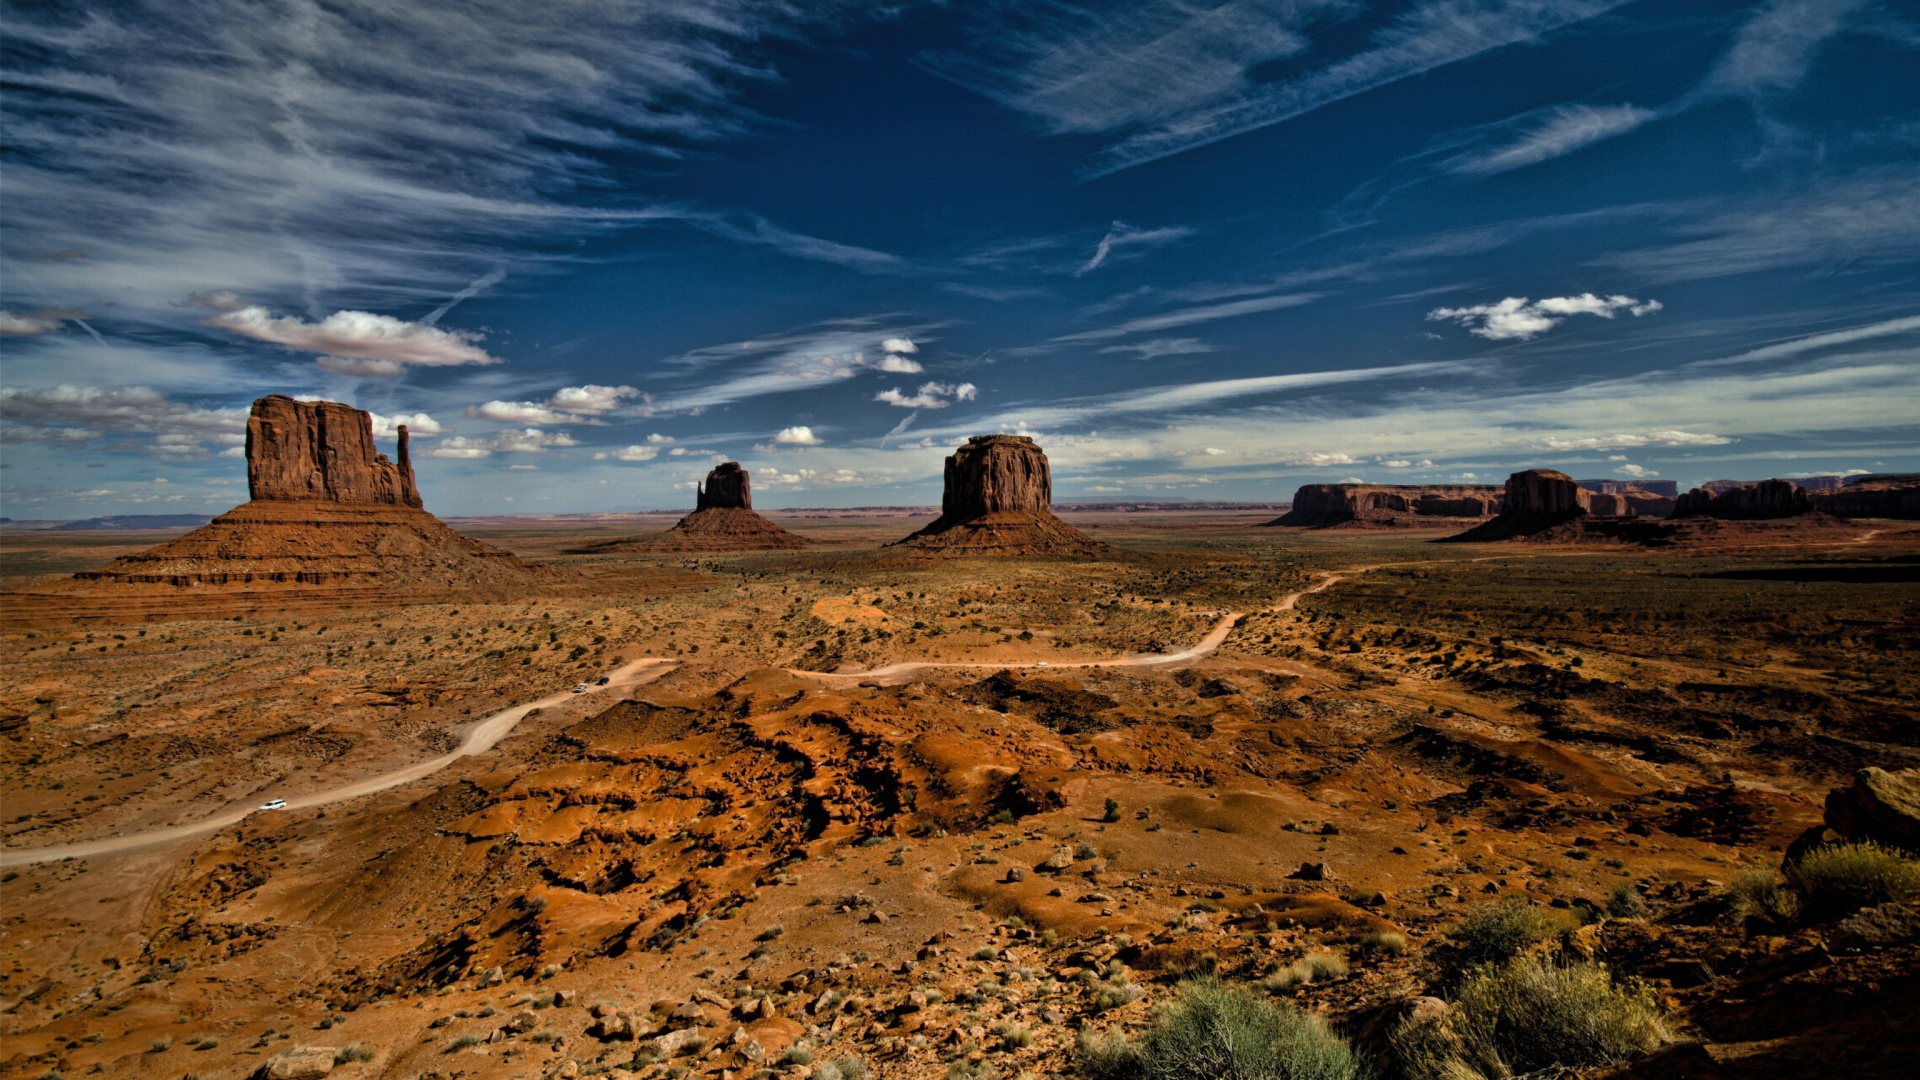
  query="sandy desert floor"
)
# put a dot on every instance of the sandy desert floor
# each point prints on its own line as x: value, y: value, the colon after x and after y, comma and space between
x: 941, y: 816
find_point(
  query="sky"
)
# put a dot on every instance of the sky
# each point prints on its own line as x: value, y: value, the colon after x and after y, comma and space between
x: 1207, y: 250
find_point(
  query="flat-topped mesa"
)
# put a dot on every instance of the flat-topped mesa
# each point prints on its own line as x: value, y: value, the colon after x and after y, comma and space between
x: 1888, y: 496
x: 998, y: 501
x: 1535, y: 500
x: 322, y: 451
x: 1750, y: 502
x: 1388, y: 506
x: 723, y: 519
x: 727, y: 486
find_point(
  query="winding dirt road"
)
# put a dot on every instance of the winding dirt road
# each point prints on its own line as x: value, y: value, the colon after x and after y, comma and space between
x: 488, y: 733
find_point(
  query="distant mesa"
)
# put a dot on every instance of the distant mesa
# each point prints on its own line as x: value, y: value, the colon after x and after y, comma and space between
x: 326, y: 508
x: 723, y: 519
x: 1763, y: 501
x: 1390, y: 506
x: 998, y: 501
x: 1535, y: 500
x: 1892, y: 495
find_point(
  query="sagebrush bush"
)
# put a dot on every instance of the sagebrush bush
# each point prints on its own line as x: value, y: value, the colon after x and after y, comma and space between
x: 1495, y: 933
x: 1839, y: 879
x: 1531, y: 1014
x: 1759, y: 896
x: 842, y: 1068
x: 1213, y: 1031
x: 356, y: 1052
x: 1625, y: 902
x: 1311, y: 968
x: 1384, y: 943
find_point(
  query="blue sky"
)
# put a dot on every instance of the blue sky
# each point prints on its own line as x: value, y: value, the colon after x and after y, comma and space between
x: 1202, y: 250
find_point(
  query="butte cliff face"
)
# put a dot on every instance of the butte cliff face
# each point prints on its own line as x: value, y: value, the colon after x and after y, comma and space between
x: 326, y: 509
x: 1749, y: 502
x: 1535, y: 500
x: 1888, y: 496
x: 998, y: 501
x: 723, y: 519
x: 322, y: 451
x: 1388, y: 506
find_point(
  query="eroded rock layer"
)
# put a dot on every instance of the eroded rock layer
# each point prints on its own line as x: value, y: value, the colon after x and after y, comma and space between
x: 1536, y: 500
x: 1385, y: 506
x: 998, y: 501
x: 322, y: 451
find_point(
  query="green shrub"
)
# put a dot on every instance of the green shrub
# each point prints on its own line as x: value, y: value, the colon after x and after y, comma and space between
x: 1495, y: 933
x: 1839, y: 879
x: 1625, y: 902
x: 1014, y: 1036
x: 799, y: 1053
x: 1113, y: 811
x: 1311, y: 968
x: 1213, y: 1031
x: 1759, y: 896
x: 1531, y: 1014
x: 842, y: 1068
x: 356, y: 1052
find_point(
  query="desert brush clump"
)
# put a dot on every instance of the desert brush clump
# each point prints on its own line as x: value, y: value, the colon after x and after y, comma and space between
x: 1211, y: 1031
x: 1529, y: 1014
x: 1314, y: 967
x: 1838, y: 879
x: 1494, y: 933
x: 1758, y: 896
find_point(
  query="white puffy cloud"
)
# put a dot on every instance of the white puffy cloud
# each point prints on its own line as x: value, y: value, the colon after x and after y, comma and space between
x: 520, y: 441
x: 569, y: 405
x: 899, y: 345
x: 1518, y: 318
x: 420, y: 424
x: 899, y: 365
x: 35, y: 323
x: 1635, y: 471
x: 358, y: 335
x: 932, y: 395
x: 629, y: 453
x: 658, y: 439
x: 68, y: 413
x: 1320, y: 459
x: 798, y: 435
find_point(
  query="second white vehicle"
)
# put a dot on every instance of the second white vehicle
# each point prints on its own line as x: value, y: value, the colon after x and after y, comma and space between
x: 580, y: 688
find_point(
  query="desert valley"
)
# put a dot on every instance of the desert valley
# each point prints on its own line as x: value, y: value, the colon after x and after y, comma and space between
x: 326, y: 787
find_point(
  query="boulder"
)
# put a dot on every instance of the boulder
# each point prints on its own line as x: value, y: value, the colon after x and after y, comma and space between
x: 322, y: 450
x: 998, y: 501
x: 299, y: 1063
x: 1880, y: 806
x: 1751, y: 502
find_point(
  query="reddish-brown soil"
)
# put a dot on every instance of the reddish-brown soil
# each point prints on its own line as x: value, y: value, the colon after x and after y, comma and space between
x: 898, y: 868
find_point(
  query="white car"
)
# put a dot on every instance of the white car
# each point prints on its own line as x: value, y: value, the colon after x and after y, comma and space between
x: 580, y: 688
x: 276, y: 804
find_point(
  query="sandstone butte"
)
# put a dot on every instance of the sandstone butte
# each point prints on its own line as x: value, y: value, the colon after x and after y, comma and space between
x: 1535, y: 500
x: 723, y: 519
x: 325, y: 508
x: 1389, y: 506
x: 998, y: 501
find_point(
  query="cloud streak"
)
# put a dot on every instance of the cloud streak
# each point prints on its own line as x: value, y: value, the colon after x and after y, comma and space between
x: 1518, y: 319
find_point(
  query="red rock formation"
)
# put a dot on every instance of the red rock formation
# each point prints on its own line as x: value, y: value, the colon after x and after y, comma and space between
x: 1536, y: 500
x: 998, y: 501
x: 722, y: 520
x: 1892, y: 496
x: 326, y: 508
x: 1751, y: 502
x: 1382, y: 506
x: 727, y: 486
x: 322, y: 451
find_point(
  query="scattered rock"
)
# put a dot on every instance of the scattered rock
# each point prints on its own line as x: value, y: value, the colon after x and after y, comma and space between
x: 299, y: 1063
x: 673, y: 1043
x: 523, y: 1021
x: 1313, y: 871
x: 1880, y: 806
x: 1877, y: 927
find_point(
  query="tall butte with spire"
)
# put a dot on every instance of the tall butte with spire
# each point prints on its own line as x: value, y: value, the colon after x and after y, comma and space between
x: 325, y: 508
x: 999, y: 501
x: 723, y: 519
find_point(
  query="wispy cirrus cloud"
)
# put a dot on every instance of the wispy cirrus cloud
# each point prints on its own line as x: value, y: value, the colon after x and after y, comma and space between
x: 1558, y: 132
x: 1774, y: 49
x: 1191, y: 316
x: 1169, y: 78
x: 1122, y: 237
x: 359, y: 342
x: 815, y: 356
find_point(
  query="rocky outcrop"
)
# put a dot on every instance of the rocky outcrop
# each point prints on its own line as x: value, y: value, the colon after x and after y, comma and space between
x: 1880, y: 806
x: 1387, y: 506
x: 727, y: 487
x: 326, y: 509
x: 998, y: 501
x: 723, y: 519
x: 1536, y: 500
x: 1751, y: 502
x: 1628, y: 504
x: 1891, y: 496
x: 322, y: 451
